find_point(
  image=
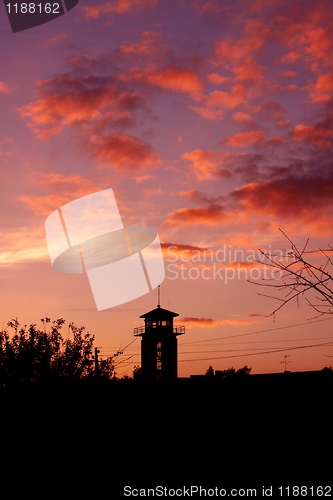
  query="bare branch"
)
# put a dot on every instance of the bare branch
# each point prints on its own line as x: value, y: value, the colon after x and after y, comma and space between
x: 300, y: 277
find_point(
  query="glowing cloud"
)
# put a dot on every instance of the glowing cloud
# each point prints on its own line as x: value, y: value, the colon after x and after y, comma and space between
x: 213, y: 215
x: 3, y: 88
x: 122, y: 151
x: 117, y: 7
x: 320, y: 137
x: 243, y: 139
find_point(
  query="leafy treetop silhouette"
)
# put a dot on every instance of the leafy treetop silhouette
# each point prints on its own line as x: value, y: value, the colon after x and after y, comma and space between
x: 32, y: 355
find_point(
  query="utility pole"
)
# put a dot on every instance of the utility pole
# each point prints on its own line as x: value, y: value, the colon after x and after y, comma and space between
x: 96, y: 362
x: 285, y: 362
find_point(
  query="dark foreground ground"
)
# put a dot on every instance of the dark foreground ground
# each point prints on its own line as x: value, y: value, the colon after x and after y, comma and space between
x: 241, y: 432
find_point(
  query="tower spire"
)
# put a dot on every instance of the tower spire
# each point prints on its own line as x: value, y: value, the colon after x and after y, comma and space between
x: 158, y: 296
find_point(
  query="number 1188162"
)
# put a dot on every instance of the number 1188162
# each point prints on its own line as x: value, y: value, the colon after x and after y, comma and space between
x: 32, y: 8
x: 305, y: 491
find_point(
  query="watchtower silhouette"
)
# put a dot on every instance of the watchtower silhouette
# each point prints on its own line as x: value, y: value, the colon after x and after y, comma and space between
x: 159, y: 359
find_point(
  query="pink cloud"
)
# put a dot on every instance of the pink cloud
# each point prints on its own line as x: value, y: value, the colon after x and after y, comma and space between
x: 208, y: 164
x: 116, y: 7
x: 218, y: 79
x: 122, y: 151
x: 322, y: 90
x: 150, y: 44
x: 83, y: 102
x: 213, y: 215
x: 320, y: 137
x: 288, y: 74
x: 4, y: 89
x: 243, y: 139
x: 64, y: 188
x: 173, y: 78
x: 241, y: 117
x: 211, y: 323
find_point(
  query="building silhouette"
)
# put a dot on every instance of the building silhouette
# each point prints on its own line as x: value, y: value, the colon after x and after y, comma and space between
x: 159, y: 358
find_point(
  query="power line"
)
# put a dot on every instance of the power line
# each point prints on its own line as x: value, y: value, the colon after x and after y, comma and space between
x: 239, y: 344
x: 265, y: 341
x: 242, y: 350
x: 259, y: 331
x: 231, y: 343
x: 235, y: 336
x: 257, y: 353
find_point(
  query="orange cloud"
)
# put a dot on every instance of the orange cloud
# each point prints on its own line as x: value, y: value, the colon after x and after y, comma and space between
x: 84, y: 101
x: 230, y: 52
x: 301, y: 31
x: 122, y: 151
x: 241, y: 117
x: 143, y: 178
x: 289, y: 88
x: 118, y: 7
x: 204, y: 162
x: 288, y: 74
x: 217, y: 79
x: 317, y: 45
x: 213, y: 215
x: 239, y: 56
x: 65, y: 188
x: 212, y: 8
x: 259, y: 5
x: 183, y: 251
x: 297, y: 201
x: 291, y: 57
x: 208, y: 164
x: 284, y: 123
x: 75, y: 104
x: 248, y: 71
x: 150, y: 44
x: 3, y: 88
x: 320, y: 137
x: 243, y: 266
x: 276, y: 140
x: 322, y: 90
x: 24, y: 244
x: 248, y: 76
x: 243, y: 139
x: 54, y: 40
x: 219, y: 99
x: 208, y: 113
x: 211, y: 323
x: 202, y: 322
x: 174, y: 78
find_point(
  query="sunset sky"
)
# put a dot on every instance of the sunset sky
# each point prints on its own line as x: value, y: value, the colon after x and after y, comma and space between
x: 212, y: 122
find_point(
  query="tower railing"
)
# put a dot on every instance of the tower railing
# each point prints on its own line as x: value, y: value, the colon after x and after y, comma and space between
x: 179, y: 330
x: 140, y: 330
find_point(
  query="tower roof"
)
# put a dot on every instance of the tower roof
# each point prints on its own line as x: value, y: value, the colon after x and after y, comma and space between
x: 160, y: 313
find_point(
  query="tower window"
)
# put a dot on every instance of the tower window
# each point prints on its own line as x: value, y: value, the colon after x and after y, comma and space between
x: 159, y: 356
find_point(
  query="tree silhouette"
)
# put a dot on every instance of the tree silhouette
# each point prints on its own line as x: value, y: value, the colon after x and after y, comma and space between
x: 210, y: 371
x: 299, y: 277
x: 32, y: 355
x: 137, y: 373
x: 231, y: 372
